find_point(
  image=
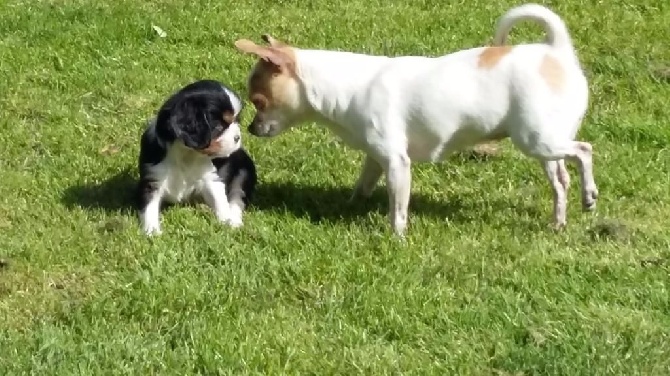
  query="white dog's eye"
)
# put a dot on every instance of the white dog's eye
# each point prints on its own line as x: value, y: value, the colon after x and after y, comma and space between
x: 259, y: 101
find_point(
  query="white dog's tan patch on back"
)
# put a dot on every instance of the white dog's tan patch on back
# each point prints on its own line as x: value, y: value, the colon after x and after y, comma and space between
x: 552, y: 72
x: 491, y: 56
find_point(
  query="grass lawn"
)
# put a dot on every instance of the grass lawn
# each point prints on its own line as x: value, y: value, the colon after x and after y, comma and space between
x: 311, y: 284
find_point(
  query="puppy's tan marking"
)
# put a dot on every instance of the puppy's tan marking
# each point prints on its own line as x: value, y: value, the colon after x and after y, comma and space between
x: 228, y: 117
x: 490, y: 57
x: 213, y: 148
x: 552, y: 72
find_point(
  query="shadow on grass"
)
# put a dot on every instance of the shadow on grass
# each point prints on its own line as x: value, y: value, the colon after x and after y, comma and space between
x: 331, y: 203
x: 319, y: 202
x: 325, y: 202
x: 112, y: 195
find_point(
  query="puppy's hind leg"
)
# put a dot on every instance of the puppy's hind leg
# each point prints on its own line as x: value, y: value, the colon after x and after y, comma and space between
x: 214, y: 193
x: 238, y: 198
x: 368, y: 179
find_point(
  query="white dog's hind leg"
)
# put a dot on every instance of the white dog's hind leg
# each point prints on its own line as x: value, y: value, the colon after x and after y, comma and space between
x: 581, y: 152
x: 563, y: 174
x: 398, y: 182
x: 556, y: 175
x: 584, y: 157
x: 368, y: 179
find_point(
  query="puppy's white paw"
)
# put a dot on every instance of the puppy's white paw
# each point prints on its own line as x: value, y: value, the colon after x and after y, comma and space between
x: 151, y: 229
x: 235, y: 222
x: 235, y: 216
x: 223, y: 215
x: 150, y: 221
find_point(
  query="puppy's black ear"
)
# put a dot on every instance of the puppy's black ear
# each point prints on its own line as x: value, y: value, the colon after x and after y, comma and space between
x: 165, y: 129
x: 192, y: 125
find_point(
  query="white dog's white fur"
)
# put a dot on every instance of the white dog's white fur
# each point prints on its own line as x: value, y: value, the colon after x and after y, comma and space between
x: 420, y: 109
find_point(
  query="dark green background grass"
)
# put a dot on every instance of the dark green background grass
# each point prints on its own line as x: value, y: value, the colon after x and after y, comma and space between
x: 311, y: 284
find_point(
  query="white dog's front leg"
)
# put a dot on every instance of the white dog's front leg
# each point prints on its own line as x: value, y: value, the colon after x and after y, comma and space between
x: 398, y: 181
x: 367, y: 180
x: 215, y: 196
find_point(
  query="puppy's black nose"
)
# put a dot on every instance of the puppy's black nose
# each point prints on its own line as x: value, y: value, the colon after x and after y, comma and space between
x: 236, y: 139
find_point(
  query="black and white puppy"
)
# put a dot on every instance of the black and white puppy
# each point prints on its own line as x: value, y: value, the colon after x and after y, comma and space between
x: 193, y: 148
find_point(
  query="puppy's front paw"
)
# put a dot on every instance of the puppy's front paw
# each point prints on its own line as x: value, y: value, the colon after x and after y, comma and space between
x: 235, y: 222
x: 151, y: 229
x: 223, y: 215
x: 235, y: 216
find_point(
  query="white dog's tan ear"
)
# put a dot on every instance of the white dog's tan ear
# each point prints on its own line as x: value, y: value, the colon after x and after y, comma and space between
x: 271, y: 55
x: 245, y: 45
x: 267, y: 38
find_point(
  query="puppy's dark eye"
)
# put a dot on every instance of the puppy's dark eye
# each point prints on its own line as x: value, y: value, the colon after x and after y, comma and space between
x: 218, y: 130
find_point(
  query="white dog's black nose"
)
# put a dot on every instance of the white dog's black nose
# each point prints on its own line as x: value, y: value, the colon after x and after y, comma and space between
x: 236, y: 139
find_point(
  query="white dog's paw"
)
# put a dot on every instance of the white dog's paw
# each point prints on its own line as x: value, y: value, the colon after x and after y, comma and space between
x: 589, y: 199
x: 558, y: 224
x: 360, y: 193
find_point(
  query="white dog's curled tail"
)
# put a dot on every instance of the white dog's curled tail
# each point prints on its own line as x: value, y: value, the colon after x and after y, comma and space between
x: 553, y: 25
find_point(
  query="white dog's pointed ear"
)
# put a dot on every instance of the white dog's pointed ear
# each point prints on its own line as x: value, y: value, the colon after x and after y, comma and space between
x: 267, y: 38
x: 272, y: 55
x: 247, y: 46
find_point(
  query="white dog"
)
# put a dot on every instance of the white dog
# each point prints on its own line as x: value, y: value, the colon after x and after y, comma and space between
x: 420, y: 109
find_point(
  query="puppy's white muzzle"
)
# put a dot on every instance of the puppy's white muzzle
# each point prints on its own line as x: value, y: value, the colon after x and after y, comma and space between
x: 228, y: 143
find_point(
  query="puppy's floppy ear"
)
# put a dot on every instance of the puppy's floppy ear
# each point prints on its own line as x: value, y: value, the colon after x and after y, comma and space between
x: 191, y: 123
x: 271, y: 55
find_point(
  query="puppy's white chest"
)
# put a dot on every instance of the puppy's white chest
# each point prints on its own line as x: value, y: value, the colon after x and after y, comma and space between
x: 184, y: 181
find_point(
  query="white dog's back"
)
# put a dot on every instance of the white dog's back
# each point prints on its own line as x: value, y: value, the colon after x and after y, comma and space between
x: 451, y: 102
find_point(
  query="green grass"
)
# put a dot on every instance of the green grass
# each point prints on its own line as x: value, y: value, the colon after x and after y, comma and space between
x: 311, y: 284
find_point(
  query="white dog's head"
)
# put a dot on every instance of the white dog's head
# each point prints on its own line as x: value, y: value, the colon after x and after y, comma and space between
x: 274, y: 87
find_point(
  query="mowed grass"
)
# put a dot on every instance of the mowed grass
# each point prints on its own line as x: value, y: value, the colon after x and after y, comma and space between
x: 312, y: 284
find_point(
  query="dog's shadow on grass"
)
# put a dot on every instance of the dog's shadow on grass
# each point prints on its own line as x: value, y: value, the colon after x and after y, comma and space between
x: 318, y: 202
x: 332, y: 203
x: 114, y: 194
